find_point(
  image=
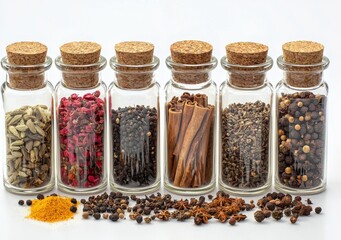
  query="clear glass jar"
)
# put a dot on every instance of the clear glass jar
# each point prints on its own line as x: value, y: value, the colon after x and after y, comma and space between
x: 134, y: 125
x: 245, y: 129
x: 82, y: 133
x: 301, y: 128
x: 191, y: 98
x: 28, y: 103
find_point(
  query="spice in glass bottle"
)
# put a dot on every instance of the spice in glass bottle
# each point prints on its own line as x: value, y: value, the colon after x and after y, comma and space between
x: 81, y: 119
x: 28, y: 128
x: 190, y: 119
x: 302, y: 119
x: 134, y: 125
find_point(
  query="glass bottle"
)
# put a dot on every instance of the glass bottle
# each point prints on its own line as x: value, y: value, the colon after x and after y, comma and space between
x: 134, y: 126
x: 301, y: 124
x: 28, y: 103
x: 245, y: 128
x: 81, y: 118
x: 191, y: 97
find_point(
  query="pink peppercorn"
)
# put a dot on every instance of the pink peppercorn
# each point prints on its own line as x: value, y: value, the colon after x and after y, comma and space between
x: 81, y: 137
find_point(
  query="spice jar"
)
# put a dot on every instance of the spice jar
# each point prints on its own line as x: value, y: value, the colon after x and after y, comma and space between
x: 134, y: 119
x: 190, y: 119
x: 301, y: 106
x: 81, y: 118
x: 28, y: 102
x: 245, y: 120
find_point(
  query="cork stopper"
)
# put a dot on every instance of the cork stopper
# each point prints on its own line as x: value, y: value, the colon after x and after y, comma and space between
x: 246, y: 54
x: 303, y: 53
x: 79, y: 54
x: 191, y: 52
x: 136, y: 53
x: 26, y: 54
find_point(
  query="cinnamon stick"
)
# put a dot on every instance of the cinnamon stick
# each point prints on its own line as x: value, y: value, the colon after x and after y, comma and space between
x: 192, y: 156
x: 198, y: 116
x: 203, y: 157
x: 209, y: 155
x: 174, y: 124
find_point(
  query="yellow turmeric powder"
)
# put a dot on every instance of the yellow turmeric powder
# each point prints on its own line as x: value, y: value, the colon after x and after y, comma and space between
x: 51, y: 209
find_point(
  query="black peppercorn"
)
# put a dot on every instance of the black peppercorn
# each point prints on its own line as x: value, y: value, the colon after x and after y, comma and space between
x: 28, y: 202
x: 259, y: 216
x: 318, y: 210
x: 73, y: 209
x: 21, y: 202
x: 40, y: 196
x: 293, y: 219
x: 267, y: 213
x: 54, y: 195
x: 277, y: 214
x: 73, y: 200
x: 287, y: 212
x: 270, y: 206
x: 114, y: 217
x: 139, y: 219
x: 97, y: 215
x: 83, y: 201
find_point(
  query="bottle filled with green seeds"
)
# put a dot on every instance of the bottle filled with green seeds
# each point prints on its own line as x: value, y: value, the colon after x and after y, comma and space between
x: 28, y: 103
x: 245, y: 120
x: 301, y: 104
x: 134, y: 119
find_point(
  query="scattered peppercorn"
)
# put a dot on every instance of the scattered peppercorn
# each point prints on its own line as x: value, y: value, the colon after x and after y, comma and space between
x: 121, y: 215
x: 114, y: 217
x: 83, y: 201
x: 105, y: 215
x: 85, y: 215
x: 293, y: 219
x: 267, y: 213
x: 28, y: 202
x: 287, y: 212
x: 232, y: 221
x: 73, y: 200
x: 21, y: 202
x: 97, y: 216
x: 73, y: 209
x: 139, y: 219
x: 318, y: 210
x: 54, y: 195
x: 277, y: 214
x: 309, y: 201
x: 259, y: 216
x: 147, y: 219
x: 40, y: 197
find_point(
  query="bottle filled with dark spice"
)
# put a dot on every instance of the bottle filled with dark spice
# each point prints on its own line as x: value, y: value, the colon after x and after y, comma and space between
x: 81, y: 118
x: 245, y: 120
x: 190, y: 119
x: 134, y: 119
x: 301, y: 119
x: 28, y: 104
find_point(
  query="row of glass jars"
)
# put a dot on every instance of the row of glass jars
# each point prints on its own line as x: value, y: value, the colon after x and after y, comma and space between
x: 133, y: 131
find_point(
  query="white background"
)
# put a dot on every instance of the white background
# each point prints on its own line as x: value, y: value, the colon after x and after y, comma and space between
x: 162, y: 23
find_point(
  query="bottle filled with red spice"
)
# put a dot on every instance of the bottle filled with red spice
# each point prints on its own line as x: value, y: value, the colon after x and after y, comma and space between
x: 191, y: 97
x: 28, y: 104
x: 81, y: 119
x: 134, y: 119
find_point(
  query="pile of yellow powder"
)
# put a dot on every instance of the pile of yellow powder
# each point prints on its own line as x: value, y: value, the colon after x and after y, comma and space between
x: 51, y: 209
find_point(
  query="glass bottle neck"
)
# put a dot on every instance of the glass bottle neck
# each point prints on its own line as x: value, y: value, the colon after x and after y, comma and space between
x: 26, y: 77
x: 191, y: 75
x: 247, y: 76
x: 134, y: 77
x: 81, y: 76
x: 303, y: 76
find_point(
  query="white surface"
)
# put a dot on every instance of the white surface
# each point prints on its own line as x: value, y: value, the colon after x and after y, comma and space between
x: 161, y: 22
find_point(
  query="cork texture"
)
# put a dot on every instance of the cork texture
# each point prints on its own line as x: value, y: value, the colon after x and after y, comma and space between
x: 26, y: 54
x: 303, y: 53
x: 134, y: 53
x: 246, y: 54
x: 191, y: 52
x: 78, y: 54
